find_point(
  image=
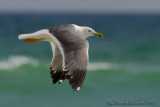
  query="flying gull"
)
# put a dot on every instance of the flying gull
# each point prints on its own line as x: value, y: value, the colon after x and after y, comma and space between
x: 70, y: 47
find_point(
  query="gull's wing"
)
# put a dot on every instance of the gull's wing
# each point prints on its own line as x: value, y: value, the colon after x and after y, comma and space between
x: 56, y: 70
x: 74, y: 51
x: 76, y: 61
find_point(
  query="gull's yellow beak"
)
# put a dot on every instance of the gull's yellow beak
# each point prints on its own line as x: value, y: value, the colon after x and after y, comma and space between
x: 98, y: 34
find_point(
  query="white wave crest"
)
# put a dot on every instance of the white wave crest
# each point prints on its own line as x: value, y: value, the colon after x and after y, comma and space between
x: 99, y: 66
x: 16, y: 61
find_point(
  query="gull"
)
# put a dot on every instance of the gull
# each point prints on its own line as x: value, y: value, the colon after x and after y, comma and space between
x: 70, y: 51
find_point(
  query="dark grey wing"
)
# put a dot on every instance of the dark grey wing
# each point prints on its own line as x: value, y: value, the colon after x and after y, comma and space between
x: 75, y: 50
x: 76, y: 61
x: 56, y: 70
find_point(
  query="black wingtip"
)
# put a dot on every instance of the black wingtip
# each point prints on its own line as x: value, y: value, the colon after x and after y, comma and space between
x: 76, y: 79
x: 57, y: 76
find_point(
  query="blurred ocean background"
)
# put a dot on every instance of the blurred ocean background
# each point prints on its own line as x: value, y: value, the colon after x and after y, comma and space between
x: 125, y: 64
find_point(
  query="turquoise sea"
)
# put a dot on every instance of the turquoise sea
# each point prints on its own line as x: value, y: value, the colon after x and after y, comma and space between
x: 124, y: 69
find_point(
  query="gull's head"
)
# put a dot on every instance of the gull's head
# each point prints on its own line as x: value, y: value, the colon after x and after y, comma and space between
x: 87, y: 31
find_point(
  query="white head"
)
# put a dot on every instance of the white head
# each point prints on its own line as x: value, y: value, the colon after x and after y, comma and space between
x: 85, y: 32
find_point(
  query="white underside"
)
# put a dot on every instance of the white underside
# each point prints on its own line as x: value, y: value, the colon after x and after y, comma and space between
x: 48, y: 37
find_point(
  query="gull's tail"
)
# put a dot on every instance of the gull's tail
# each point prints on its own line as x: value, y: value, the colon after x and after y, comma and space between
x: 36, y: 35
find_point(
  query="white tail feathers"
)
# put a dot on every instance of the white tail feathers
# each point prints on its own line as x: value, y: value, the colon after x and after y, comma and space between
x: 25, y: 36
x: 37, y: 35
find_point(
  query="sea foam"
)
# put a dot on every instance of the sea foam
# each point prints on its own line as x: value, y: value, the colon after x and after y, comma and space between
x: 93, y: 66
x: 14, y: 62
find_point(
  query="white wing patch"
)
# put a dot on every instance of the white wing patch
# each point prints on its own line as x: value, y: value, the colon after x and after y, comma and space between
x: 60, y: 81
x: 78, y: 88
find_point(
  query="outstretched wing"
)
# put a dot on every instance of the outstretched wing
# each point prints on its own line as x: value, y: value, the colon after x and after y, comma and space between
x: 76, y: 61
x: 74, y: 50
x: 56, y: 67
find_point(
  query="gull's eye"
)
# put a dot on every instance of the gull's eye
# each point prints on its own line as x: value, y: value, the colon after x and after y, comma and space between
x: 89, y: 30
